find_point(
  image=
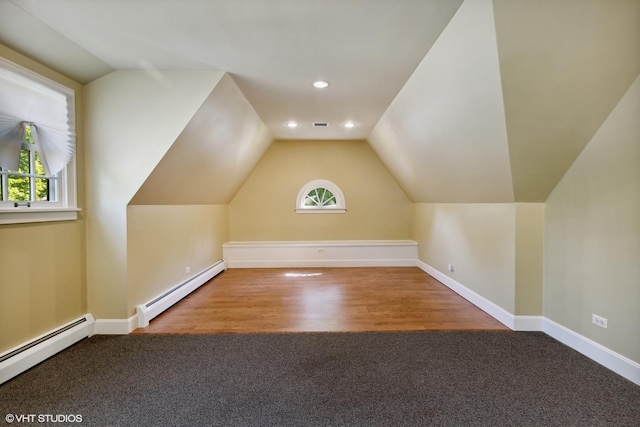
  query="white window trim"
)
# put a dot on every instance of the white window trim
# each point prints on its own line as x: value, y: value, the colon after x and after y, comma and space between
x: 65, y: 208
x: 339, y: 207
x: 20, y: 216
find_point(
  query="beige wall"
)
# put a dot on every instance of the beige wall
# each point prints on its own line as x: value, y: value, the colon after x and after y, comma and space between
x: 529, y: 255
x: 163, y: 240
x: 132, y: 118
x: 43, y: 266
x: 43, y: 279
x: 478, y: 239
x: 592, y: 235
x: 496, y: 249
x: 564, y: 65
x: 444, y: 136
x: 263, y: 209
x: 213, y: 155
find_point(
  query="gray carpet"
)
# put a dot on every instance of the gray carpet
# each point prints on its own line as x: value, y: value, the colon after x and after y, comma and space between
x: 325, y: 379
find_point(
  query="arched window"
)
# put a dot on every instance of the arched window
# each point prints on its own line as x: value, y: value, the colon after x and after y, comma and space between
x: 320, y: 196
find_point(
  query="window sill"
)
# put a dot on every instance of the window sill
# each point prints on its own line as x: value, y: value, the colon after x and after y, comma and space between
x: 321, y: 210
x: 25, y: 215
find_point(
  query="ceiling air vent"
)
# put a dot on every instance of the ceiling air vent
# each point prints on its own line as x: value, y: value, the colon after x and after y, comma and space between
x: 320, y: 124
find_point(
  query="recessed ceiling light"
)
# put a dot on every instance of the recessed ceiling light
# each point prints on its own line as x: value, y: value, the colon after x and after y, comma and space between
x: 349, y: 125
x: 320, y: 84
x: 292, y: 124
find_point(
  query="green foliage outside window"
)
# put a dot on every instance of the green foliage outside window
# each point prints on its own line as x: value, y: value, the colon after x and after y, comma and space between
x: 19, y: 187
x: 320, y: 197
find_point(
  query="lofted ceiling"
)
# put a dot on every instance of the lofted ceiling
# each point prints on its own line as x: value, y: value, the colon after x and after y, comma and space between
x: 507, y: 98
x: 564, y: 66
x: 274, y: 49
x: 474, y: 101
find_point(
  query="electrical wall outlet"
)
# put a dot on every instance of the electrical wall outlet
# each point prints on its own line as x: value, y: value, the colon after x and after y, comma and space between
x: 599, y: 320
x: 188, y: 269
x: 451, y: 267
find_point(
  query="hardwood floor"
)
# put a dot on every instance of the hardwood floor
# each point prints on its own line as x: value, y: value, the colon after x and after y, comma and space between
x: 322, y: 299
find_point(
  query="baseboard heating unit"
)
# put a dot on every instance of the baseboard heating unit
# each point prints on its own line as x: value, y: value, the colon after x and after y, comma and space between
x: 153, y: 308
x: 25, y: 356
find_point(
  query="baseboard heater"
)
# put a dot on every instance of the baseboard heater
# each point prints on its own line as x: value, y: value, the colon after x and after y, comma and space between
x: 25, y: 356
x: 153, y: 308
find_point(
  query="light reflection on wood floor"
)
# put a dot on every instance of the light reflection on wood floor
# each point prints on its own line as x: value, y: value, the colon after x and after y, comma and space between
x: 322, y: 299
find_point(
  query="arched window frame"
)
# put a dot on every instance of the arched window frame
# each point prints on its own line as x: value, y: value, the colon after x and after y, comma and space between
x: 339, y: 207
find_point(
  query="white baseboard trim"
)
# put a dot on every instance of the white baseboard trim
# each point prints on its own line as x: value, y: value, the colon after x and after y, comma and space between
x: 116, y: 326
x: 516, y: 323
x: 619, y: 364
x: 330, y: 253
x: 527, y: 323
x: 324, y: 263
x: 25, y: 356
x: 146, y: 312
x: 494, y: 310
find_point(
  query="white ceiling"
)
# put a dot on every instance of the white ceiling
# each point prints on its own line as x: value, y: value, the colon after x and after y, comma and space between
x: 274, y: 49
x: 476, y: 101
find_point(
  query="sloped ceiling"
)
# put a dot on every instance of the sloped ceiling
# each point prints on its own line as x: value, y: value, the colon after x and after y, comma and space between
x: 564, y: 67
x: 213, y: 155
x: 132, y: 118
x: 274, y: 49
x: 559, y: 66
x: 444, y: 136
x: 22, y: 32
x: 494, y: 100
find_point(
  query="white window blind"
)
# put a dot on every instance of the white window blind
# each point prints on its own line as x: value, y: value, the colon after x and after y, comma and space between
x: 38, y: 103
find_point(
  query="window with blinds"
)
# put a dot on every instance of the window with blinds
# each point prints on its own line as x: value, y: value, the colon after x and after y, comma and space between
x: 37, y: 146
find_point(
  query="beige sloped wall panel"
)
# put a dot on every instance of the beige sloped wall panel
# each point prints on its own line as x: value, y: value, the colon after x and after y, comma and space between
x: 444, y: 136
x: 133, y: 118
x: 213, y: 155
x: 564, y: 66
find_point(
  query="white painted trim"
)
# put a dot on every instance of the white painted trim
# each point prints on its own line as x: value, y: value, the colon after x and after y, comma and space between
x: 323, y: 210
x: 528, y: 323
x: 328, y: 253
x: 38, y: 352
x: 516, y: 323
x: 594, y: 351
x: 494, y: 310
x: 151, y: 309
x: 26, y: 215
x: 65, y: 209
x: 126, y: 326
x: 340, y: 206
x: 316, y: 243
x: 116, y: 326
x: 618, y: 363
x: 324, y: 263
